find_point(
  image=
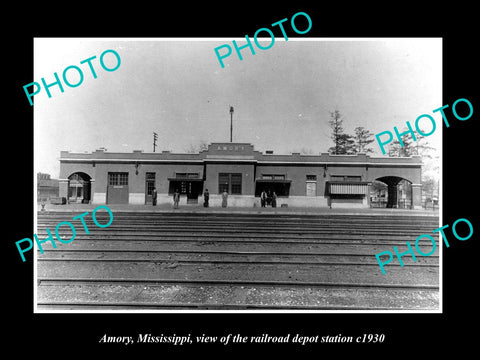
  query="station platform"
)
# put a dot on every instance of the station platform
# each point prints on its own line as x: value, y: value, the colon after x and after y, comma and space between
x: 198, y: 208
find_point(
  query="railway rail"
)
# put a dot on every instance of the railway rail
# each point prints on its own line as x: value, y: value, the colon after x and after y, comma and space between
x: 188, y: 261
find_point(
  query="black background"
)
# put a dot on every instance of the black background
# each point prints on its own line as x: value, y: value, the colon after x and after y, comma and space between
x: 64, y: 335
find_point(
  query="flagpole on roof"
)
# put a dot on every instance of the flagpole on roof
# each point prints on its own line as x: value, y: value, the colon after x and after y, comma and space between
x: 231, y: 122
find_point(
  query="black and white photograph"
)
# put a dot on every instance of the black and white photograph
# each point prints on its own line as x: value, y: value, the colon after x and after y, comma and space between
x: 294, y: 180
x: 253, y: 184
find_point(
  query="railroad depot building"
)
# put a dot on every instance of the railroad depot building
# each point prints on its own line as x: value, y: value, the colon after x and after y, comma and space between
x: 323, y: 180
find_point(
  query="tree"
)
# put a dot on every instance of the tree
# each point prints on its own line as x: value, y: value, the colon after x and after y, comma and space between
x: 397, y: 150
x: 430, y: 187
x: 336, y: 123
x: 306, y: 151
x: 410, y: 147
x: 201, y: 146
x: 346, y: 145
x: 430, y: 160
x: 363, y: 138
x: 343, y: 143
x: 422, y: 147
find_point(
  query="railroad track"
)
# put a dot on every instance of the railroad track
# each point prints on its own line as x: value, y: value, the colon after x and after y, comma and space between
x: 237, y: 261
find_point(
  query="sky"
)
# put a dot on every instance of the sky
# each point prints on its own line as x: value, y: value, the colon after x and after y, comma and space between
x: 282, y: 97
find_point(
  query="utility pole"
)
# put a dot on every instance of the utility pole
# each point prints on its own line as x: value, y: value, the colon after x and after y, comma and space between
x: 155, y: 137
x: 231, y: 122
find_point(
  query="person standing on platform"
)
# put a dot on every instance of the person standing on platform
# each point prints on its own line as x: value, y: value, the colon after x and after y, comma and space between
x: 224, y: 198
x: 176, y: 199
x: 269, y: 198
x: 263, y: 198
x: 274, y: 200
x: 154, y: 196
x: 206, y: 196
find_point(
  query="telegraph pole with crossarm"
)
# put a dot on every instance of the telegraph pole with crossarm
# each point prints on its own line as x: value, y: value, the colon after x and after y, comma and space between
x: 155, y: 137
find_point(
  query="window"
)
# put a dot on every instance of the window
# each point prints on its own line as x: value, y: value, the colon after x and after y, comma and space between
x: 236, y: 183
x: 273, y: 177
x: 231, y: 183
x: 311, y: 177
x: 117, y: 178
x: 223, y: 180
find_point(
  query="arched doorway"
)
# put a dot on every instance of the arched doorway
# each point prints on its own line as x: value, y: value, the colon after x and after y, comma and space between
x: 391, y: 192
x: 79, y: 188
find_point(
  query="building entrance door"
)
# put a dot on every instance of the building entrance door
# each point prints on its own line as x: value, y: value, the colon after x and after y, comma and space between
x: 149, y: 185
x: 189, y: 188
x: 79, y: 188
x: 117, y: 188
x: 193, y: 190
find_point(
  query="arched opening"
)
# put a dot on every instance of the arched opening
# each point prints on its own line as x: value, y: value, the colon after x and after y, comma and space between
x: 391, y: 192
x: 79, y: 188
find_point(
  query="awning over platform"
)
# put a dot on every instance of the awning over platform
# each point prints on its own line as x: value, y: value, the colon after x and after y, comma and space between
x: 347, y: 188
x: 183, y: 179
x: 187, y: 176
x: 273, y: 181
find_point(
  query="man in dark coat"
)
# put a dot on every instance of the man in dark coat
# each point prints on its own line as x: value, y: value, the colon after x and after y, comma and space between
x: 224, y: 198
x: 154, y: 196
x: 176, y: 199
x: 206, y: 196
x: 263, y: 198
